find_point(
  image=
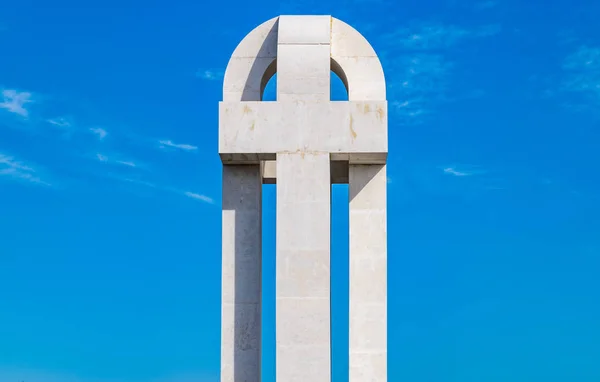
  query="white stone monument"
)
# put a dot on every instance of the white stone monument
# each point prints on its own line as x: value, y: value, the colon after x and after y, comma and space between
x: 303, y: 142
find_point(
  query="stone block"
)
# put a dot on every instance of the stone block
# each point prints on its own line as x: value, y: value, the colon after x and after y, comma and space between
x: 304, y: 30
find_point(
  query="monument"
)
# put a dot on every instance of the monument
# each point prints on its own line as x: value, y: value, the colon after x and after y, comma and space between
x: 303, y: 142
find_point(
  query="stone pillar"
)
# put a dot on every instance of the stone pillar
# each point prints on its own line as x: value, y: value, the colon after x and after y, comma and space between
x: 241, y: 274
x: 368, y: 273
x: 303, y: 348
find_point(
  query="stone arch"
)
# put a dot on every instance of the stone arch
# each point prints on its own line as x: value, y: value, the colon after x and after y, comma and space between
x: 354, y: 60
x: 254, y: 62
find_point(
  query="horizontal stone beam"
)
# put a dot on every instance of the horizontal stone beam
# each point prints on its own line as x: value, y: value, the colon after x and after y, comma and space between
x: 338, y: 172
x: 250, y: 132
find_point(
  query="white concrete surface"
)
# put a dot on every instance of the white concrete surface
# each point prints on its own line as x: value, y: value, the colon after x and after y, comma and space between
x: 303, y: 59
x: 368, y: 273
x: 293, y: 142
x: 358, y: 61
x: 303, y: 335
x: 241, y: 274
x: 350, y: 130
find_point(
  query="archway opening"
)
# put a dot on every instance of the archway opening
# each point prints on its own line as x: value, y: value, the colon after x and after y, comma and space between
x: 337, y: 88
x: 270, y: 89
x: 338, y: 84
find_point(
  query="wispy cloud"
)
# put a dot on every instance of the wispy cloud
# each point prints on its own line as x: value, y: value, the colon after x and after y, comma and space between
x: 126, y: 163
x: 462, y: 170
x: 139, y: 182
x: 107, y: 159
x: 418, y: 59
x: 424, y: 84
x: 455, y: 172
x: 210, y: 74
x: 14, y: 101
x: 435, y: 36
x: 60, y: 122
x: 158, y: 187
x: 427, y: 36
x: 180, y: 146
x: 200, y: 197
x: 14, y: 169
x: 99, y: 132
x: 582, y: 76
x: 63, y: 125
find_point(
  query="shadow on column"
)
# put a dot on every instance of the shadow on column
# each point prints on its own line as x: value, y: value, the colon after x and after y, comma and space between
x: 259, y: 74
x: 242, y: 188
x: 356, y: 185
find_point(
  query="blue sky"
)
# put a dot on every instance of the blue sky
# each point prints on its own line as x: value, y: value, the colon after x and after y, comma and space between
x: 110, y: 189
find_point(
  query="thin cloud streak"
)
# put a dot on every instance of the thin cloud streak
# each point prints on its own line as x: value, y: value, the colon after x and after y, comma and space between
x: 200, y: 197
x: 138, y: 182
x: 106, y: 159
x: 127, y: 163
x: 60, y: 122
x: 453, y: 171
x: 459, y: 170
x: 181, y: 146
x: 12, y: 168
x: 14, y: 102
x: 158, y: 187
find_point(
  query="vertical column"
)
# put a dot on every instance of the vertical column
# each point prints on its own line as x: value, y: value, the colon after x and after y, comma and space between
x: 241, y: 277
x: 304, y: 58
x: 368, y: 273
x: 303, y: 332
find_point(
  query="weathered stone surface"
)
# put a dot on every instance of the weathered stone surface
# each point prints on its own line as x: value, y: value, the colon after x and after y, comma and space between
x: 241, y: 274
x: 368, y: 273
x: 303, y: 142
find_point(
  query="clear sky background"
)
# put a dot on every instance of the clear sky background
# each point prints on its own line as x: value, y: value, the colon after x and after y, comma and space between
x: 110, y: 189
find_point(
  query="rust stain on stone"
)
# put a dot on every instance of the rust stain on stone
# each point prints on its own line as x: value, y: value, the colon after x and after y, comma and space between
x: 247, y: 109
x: 352, y: 128
x: 252, y: 126
x: 380, y: 113
x: 367, y: 108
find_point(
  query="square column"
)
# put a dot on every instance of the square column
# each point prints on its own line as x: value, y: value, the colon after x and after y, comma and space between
x: 368, y: 273
x: 303, y: 312
x: 241, y: 274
